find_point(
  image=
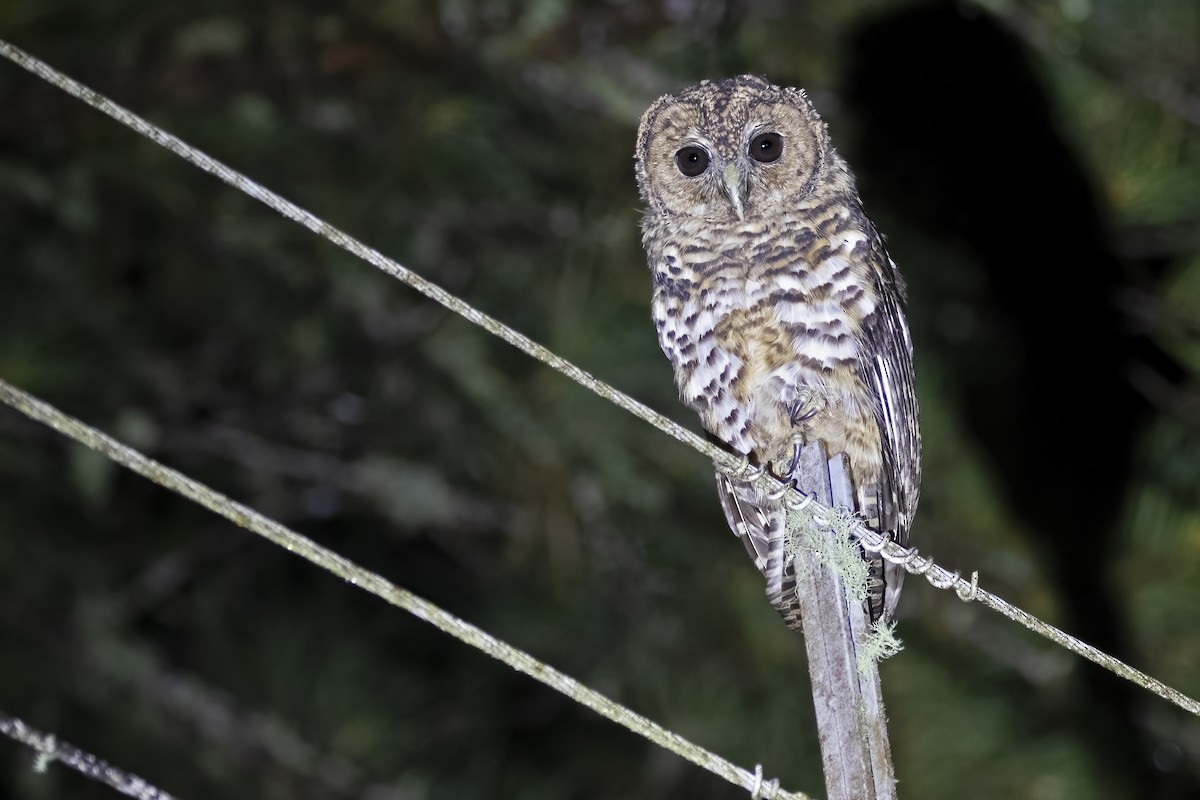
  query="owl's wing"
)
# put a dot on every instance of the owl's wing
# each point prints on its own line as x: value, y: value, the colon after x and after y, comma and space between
x: 887, y: 365
x: 746, y: 519
x: 759, y: 522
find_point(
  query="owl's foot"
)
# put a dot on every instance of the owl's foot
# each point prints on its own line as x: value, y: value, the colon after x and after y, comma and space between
x: 806, y: 406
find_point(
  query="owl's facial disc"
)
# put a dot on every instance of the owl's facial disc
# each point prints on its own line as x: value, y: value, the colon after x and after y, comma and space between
x: 731, y: 151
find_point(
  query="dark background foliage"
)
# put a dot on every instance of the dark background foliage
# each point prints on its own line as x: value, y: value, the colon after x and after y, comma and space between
x: 1036, y: 167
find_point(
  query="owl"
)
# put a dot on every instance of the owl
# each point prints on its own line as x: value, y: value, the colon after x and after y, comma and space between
x: 780, y: 311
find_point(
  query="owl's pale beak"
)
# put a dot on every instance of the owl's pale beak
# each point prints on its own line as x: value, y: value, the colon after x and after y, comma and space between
x: 732, y: 186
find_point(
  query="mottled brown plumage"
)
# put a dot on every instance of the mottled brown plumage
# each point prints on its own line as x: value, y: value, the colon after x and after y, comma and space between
x: 778, y: 307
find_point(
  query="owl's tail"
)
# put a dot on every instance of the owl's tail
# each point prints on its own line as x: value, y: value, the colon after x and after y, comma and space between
x: 884, y: 579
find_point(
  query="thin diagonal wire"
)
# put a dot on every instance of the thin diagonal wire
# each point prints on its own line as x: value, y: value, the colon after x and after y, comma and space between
x: 379, y: 586
x: 49, y: 748
x: 937, y: 576
x: 968, y: 590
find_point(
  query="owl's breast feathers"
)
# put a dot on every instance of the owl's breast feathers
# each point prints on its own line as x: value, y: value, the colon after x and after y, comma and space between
x: 764, y: 323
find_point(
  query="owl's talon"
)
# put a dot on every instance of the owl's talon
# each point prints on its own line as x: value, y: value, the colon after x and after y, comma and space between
x: 740, y: 470
x: 797, y: 446
x: 750, y: 471
x: 782, y: 491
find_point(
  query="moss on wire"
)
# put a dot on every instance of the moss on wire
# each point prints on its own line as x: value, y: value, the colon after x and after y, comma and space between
x: 50, y: 749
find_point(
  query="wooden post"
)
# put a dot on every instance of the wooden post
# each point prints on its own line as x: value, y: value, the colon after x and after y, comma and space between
x: 849, y: 705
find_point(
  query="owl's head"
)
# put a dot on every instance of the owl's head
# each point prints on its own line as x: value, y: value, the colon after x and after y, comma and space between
x: 729, y: 150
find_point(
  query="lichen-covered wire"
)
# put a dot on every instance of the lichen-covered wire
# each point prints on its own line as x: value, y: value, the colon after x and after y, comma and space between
x: 50, y: 749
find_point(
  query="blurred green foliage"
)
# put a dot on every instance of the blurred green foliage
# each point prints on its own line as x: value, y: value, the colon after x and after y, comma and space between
x: 488, y: 146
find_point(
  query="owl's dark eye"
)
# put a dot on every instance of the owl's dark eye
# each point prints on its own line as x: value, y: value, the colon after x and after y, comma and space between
x: 766, y: 147
x: 692, y: 160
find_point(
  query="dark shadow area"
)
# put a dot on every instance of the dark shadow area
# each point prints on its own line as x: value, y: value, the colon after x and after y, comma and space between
x: 959, y: 137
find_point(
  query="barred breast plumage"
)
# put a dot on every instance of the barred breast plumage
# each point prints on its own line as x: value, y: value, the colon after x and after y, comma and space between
x: 778, y: 307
